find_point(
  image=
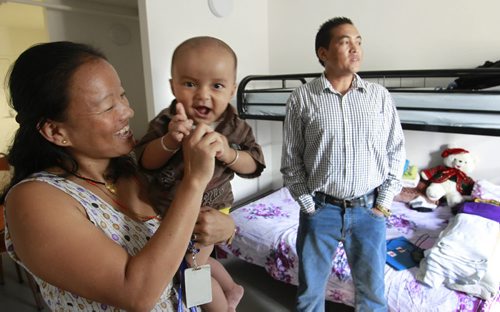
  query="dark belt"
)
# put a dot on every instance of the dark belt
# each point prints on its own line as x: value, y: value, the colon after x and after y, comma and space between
x: 362, y: 201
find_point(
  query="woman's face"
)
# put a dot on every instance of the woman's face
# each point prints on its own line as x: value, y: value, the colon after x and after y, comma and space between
x: 97, y: 119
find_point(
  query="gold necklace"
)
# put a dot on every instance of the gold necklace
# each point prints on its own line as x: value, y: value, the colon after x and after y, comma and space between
x: 110, y: 186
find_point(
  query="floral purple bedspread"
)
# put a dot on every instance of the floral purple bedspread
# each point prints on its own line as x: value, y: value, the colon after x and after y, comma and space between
x: 266, y: 237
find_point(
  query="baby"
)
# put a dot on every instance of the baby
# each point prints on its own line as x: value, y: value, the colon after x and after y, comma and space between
x: 203, y: 82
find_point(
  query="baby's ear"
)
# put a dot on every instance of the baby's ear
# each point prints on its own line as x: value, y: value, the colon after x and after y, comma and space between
x: 235, y: 88
x: 171, y: 81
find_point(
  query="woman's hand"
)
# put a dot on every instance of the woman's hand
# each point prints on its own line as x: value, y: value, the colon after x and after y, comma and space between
x: 213, y: 227
x: 199, y: 149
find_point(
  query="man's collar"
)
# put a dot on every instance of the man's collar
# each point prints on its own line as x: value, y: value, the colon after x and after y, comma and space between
x: 357, y: 83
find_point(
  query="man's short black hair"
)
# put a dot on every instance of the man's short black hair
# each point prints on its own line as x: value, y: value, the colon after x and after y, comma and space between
x: 323, y: 36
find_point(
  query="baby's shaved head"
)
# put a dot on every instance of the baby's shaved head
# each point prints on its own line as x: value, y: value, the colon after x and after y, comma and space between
x: 198, y: 43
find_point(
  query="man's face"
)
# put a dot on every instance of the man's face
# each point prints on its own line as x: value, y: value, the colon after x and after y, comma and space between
x: 344, y: 54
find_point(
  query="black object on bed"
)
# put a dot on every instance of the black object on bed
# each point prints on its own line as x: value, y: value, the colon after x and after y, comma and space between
x: 426, y: 100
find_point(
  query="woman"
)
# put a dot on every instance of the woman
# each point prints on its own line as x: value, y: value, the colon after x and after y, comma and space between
x: 76, y: 211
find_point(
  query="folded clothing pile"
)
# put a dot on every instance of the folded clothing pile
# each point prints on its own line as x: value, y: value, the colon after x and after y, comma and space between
x: 466, y: 255
x: 486, y: 191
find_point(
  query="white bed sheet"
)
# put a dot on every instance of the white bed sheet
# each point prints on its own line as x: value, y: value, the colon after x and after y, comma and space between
x: 266, y: 237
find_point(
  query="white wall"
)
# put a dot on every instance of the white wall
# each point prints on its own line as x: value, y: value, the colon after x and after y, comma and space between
x: 244, y: 29
x: 165, y: 25
x: 277, y: 36
x: 397, y: 34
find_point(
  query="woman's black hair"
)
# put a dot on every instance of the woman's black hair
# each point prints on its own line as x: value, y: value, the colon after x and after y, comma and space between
x: 39, y: 82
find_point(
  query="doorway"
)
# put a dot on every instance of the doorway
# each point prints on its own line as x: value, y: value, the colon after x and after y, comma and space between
x: 21, y: 26
x: 111, y: 26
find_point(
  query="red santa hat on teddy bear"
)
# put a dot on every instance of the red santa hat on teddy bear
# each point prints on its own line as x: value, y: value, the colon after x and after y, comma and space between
x: 450, y: 151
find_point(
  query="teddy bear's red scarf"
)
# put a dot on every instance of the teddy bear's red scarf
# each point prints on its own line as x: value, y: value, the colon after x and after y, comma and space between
x: 440, y: 174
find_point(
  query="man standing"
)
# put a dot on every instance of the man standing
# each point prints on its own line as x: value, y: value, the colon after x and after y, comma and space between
x: 343, y: 157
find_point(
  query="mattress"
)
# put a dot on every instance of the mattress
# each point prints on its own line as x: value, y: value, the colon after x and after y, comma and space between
x: 267, y: 230
x: 475, y: 110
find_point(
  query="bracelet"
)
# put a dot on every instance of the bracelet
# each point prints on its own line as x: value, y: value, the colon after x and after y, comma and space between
x: 165, y: 148
x: 386, y: 212
x: 231, y: 238
x: 235, y: 158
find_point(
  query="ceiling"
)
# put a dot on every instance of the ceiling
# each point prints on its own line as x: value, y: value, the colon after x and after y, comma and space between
x: 122, y: 3
x: 20, y: 15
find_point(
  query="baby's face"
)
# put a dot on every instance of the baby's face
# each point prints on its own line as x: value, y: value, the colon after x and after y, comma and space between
x: 204, y: 81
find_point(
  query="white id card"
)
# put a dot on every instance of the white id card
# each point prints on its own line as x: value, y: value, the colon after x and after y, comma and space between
x: 198, y: 285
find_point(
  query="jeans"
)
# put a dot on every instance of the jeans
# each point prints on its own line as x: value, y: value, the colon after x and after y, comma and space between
x: 363, y: 235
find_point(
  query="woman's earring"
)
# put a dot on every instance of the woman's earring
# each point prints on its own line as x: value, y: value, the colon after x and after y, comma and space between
x: 64, y: 142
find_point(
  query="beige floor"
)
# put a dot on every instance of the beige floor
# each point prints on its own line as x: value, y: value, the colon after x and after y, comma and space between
x: 262, y: 293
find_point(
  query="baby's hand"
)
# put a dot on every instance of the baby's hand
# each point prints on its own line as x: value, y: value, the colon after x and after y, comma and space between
x: 180, y: 125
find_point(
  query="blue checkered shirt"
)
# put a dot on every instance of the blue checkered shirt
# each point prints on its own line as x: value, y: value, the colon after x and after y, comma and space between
x: 342, y: 145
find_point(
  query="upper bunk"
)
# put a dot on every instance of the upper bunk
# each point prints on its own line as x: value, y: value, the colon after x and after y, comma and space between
x: 455, y: 100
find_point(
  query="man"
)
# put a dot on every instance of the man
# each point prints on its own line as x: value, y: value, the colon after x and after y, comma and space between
x: 343, y: 157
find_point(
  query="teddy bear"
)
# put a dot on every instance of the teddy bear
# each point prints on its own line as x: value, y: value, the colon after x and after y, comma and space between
x: 450, y: 180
